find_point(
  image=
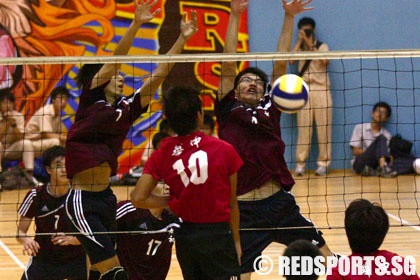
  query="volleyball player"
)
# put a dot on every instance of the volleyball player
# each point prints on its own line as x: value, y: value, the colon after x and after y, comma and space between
x: 94, y: 142
x: 201, y: 172
x: 149, y: 243
x: 366, y: 226
x: 56, y: 255
x: 248, y: 121
x: 300, y: 249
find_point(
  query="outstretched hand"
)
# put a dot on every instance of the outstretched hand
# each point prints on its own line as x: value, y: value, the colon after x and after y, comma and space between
x: 189, y: 28
x: 295, y: 7
x: 143, y: 12
x: 238, y: 6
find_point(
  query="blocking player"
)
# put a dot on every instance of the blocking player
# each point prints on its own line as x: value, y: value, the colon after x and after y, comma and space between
x: 95, y: 140
x: 248, y: 121
x: 201, y: 172
x: 57, y: 256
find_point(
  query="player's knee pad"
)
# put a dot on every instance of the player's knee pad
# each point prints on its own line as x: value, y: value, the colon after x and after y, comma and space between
x: 94, y: 275
x: 117, y: 273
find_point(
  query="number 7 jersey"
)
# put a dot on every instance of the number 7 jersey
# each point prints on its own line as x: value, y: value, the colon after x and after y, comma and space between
x: 197, y: 168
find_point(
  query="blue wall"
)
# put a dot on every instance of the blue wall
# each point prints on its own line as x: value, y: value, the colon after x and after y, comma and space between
x: 353, y: 25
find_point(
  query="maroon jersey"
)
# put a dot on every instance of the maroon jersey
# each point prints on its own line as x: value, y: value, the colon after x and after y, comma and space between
x: 50, y: 217
x: 255, y: 134
x: 99, y: 129
x: 197, y: 168
x: 147, y: 255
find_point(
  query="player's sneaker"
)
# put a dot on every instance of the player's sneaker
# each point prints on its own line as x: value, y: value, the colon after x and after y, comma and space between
x: 369, y: 171
x: 136, y: 171
x: 299, y: 171
x: 387, y: 172
x: 321, y: 171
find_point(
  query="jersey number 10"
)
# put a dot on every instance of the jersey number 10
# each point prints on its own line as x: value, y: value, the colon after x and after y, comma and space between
x: 198, y: 167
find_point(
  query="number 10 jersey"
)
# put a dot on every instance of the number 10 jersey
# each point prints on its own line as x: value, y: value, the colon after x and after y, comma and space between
x: 197, y: 168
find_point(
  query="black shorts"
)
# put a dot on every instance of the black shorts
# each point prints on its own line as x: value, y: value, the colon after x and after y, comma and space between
x: 277, y: 211
x: 206, y: 251
x: 92, y: 214
x: 39, y: 269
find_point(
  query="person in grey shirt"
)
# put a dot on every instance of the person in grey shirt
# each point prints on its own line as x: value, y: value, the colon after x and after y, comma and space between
x: 370, y: 144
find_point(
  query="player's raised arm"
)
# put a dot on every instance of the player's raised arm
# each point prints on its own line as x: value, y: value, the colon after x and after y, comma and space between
x: 144, y: 13
x: 228, y: 71
x: 152, y: 83
x: 291, y: 9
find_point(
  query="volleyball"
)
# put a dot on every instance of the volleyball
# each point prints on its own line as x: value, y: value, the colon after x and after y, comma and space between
x: 289, y: 93
x: 416, y: 165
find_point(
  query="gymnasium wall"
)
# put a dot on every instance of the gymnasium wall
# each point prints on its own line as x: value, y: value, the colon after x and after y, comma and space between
x: 348, y: 26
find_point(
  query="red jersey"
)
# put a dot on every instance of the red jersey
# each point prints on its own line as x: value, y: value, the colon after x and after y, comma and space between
x: 99, y: 129
x: 387, y: 267
x: 145, y: 256
x: 50, y: 217
x: 197, y: 168
x: 255, y: 134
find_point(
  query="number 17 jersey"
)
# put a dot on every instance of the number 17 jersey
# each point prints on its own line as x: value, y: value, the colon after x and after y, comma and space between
x: 197, y: 168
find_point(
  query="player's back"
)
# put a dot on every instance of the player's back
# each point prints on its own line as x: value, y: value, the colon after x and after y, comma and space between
x: 197, y: 168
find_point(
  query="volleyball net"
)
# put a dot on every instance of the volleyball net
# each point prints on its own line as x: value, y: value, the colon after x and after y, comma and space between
x: 359, y: 79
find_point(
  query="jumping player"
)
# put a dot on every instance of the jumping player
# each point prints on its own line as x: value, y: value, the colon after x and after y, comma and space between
x: 94, y: 142
x: 248, y: 121
x: 59, y: 256
x: 201, y: 172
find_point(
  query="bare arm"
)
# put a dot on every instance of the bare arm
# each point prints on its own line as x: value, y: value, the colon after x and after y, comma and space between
x: 30, y: 246
x: 285, y: 40
x: 151, y: 84
x: 228, y: 71
x: 14, y: 129
x: 234, y: 215
x: 142, y: 14
x: 142, y: 196
x: 357, y: 151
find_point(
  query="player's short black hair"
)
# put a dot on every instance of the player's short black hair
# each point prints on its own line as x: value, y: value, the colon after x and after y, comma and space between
x: 164, y: 126
x: 306, y: 21
x: 157, y: 138
x: 52, y: 153
x: 253, y: 70
x: 180, y: 106
x: 383, y: 105
x: 208, y: 120
x: 86, y: 73
x: 61, y: 90
x: 300, y: 248
x: 366, y: 226
x: 7, y: 95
